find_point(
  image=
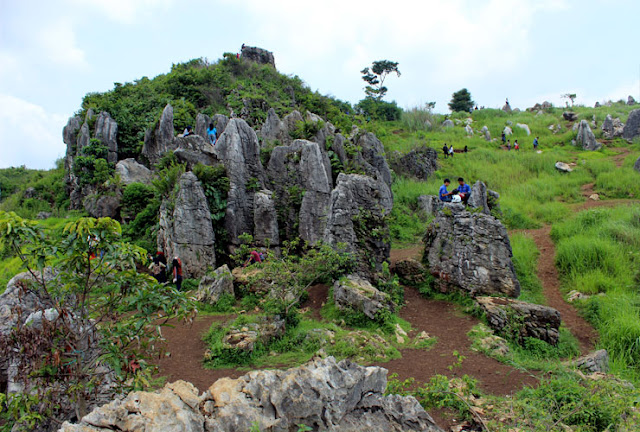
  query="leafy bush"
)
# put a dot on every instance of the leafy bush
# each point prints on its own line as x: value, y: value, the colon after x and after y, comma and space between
x: 379, y: 110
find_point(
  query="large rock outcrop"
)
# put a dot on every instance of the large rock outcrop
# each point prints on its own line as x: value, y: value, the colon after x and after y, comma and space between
x: 612, y: 128
x: 193, y: 150
x: 103, y: 205
x: 354, y: 292
x: 274, y: 129
x: 419, y: 163
x: 357, y: 217
x: 521, y: 319
x: 632, y: 127
x: 106, y: 130
x: 258, y: 55
x: 130, y: 171
x: 239, y: 150
x: 185, y: 228
x: 159, y: 140
x: 324, y: 395
x: 372, y: 158
x: 471, y: 252
x: 265, y: 220
x: 215, y: 284
x: 302, y: 183
x: 585, y: 138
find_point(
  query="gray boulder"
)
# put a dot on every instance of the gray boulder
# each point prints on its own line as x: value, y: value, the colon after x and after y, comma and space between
x: 245, y: 337
x: 239, y: 151
x: 324, y: 395
x: 636, y: 166
x: 70, y: 134
x: 563, y: 167
x: 507, y: 131
x: 372, y: 152
x: 447, y: 123
x: 357, y: 217
x: 202, y: 125
x: 258, y: 55
x: 470, y: 252
x: 597, y: 361
x: 215, y: 284
x: 265, y: 220
x: 130, y: 171
x: 185, y: 228
x: 430, y: 204
x: 506, y: 108
x: 356, y: 293
x: 570, y: 116
x: 420, y: 163
x: 159, y: 140
x: 84, y: 135
x: 410, y: 271
x: 486, y: 133
x: 274, y: 129
x: 194, y: 149
x: 612, y: 128
x: 21, y: 293
x: 468, y: 129
x: 478, y: 197
x: 103, y: 205
x: 524, y: 127
x: 301, y: 180
x: 632, y: 127
x: 106, y: 130
x: 585, y: 138
x: 631, y: 100
x: 521, y: 319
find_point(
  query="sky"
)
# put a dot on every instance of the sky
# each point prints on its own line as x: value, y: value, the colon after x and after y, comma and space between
x: 54, y: 52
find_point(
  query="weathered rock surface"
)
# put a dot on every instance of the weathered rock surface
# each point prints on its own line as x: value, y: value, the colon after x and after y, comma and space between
x: 471, y: 252
x: 636, y: 165
x: 130, y: 171
x: 570, y: 116
x: 372, y: 152
x: 563, y: 167
x: 354, y: 292
x: 239, y: 150
x: 486, y: 133
x: 101, y: 205
x: 478, y: 197
x: 597, y: 361
x: 507, y: 131
x: 215, y: 284
x: 447, y: 123
x: 612, y: 128
x: 469, y: 130
x: 632, y: 127
x: 419, y: 163
x: 185, y: 228
x: 357, y: 217
x: 265, y: 220
x: 324, y: 395
x: 20, y: 293
x: 410, y: 271
x: 524, y: 127
x: 159, y: 140
x: 631, y: 100
x: 258, y: 55
x: 246, y: 336
x: 106, y: 130
x: 194, y: 149
x: 585, y: 138
x: 302, y: 183
x: 430, y: 204
x: 274, y: 129
x: 522, y: 319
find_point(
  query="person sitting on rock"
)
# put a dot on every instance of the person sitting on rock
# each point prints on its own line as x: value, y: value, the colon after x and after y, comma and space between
x: 444, y: 194
x: 445, y: 150
x: 188, y: 131
x: 455, y: 197
x: 464, y: 190
x: 177, y: 272
x: 212, y: 133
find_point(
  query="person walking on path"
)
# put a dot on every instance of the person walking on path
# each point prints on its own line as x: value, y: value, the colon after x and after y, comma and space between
x: 177, y: 272
x: 445, y: 150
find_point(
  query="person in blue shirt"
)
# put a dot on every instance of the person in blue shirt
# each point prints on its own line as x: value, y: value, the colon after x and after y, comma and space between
x: 212, y: 133
x: 464, y: 190
x: 444, y: 194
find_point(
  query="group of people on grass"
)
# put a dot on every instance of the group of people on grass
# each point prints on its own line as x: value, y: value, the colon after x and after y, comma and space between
x: 516, y: 145
x: 460, y: 194
x: 212, y: 133
x: 449, y: 152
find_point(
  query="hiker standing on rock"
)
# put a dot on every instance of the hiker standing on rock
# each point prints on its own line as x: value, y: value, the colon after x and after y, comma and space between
x: 212, y: 133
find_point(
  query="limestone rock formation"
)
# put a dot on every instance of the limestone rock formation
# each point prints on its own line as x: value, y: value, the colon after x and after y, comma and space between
x: 357, y: 217
x: 265, y: 220
x: 372, y: 152
x: 597, y: 361
x: 239, y: 151
x: 103, y: 205
x: 274, y: 128
x: 486, y: 133
x: 106, y: 130
x: 632, y: 127
x: 410, y: 271
x: 130, y: 171
x: 430, y: 204
x: 631, y: 100
x: 245, y: 337
x: 160, y: 139
x: 194, y: 149
x: 612, y: 128
x: 585, y: 138
x: 570, y: 116
x: 478, y: 197
x: 185, y: 228
x: 420, y: 163
x: 469, y: 130
x: 447, y: 123
x: 323, y: 395
x: 524, y: 127
x: 507, y: 131
x: 563, y: 167
x: 258, y: 55
x: 215, y: 284
x: 471, y: 252
x: 525, y: 319
x: 354, y: 292
x: 636, y: 165
x: 302, y: 183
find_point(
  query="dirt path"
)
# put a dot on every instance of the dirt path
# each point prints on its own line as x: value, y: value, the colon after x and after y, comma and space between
x: 618, y: 159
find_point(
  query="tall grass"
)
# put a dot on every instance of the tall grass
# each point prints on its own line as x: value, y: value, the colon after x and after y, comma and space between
x: 525, y: 261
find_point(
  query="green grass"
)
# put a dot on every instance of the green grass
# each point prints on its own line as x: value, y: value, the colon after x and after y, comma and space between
x: 525, y: 261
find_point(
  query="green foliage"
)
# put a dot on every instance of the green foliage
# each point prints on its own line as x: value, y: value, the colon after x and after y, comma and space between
x: 91, y: 167
x: 461, y: 101
x: 225, y: 304
x: 306, y: 129
x: 375, y: 77
x: 20, y: 412
x: 215, y: 184
x: 99, y: 286
x: 135, y: 197
x: 525, y: 261
x: 374, y: 109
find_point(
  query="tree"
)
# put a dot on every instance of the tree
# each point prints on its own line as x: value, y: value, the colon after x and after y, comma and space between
x: 375, y: 77
x: 104, y: 316
x: 570, y: 96
x: 461, y: 101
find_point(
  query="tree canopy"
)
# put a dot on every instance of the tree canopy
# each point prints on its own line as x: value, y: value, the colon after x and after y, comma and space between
x: 375, y: 77
x: 461, y: 101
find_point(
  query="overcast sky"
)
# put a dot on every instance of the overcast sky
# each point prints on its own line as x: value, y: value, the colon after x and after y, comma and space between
x: 53, y: 52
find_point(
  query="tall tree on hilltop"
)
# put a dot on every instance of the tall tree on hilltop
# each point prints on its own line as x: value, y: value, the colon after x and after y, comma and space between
x: 461, y: 101
x: 375, y: 77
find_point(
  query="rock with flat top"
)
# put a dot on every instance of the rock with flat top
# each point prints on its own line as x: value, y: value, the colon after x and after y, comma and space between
x: 130, y: 171
x: 563, y: 167
x: 354, y: 292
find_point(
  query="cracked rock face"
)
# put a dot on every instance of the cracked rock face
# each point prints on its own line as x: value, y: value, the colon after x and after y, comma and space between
x: 324, y: 395
x: 586, y: 138
x: 470, y: 252
x: 632, y: 127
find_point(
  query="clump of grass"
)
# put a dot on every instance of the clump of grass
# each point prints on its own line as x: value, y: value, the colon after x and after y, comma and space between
x: 525, y: 261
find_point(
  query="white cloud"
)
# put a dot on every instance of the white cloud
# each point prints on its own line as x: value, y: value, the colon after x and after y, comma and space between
x: 56, y: 42
x: 29, y: 135
x: 123, y: 11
